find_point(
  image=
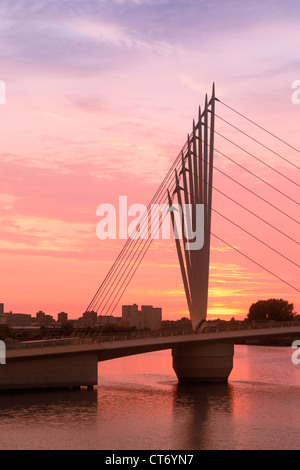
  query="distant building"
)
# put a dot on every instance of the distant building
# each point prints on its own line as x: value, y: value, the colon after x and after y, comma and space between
x: 89, y: 318
x: 151, y: 317
x: 148, y: 317
x: 131, y: 315
x: 44, y: 320
x: 108, y: 320
x: 14, y: 319
x: 62, y: 317
x: 2, y: 315
x: 40, y: 317
x: 18, y: 319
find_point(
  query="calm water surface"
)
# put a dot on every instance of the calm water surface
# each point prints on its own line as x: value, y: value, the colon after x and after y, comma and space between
x: 138, y: 404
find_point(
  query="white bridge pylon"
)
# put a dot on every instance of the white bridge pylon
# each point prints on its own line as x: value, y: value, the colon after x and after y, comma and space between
x: 194, y: 188
x: 191, y: 175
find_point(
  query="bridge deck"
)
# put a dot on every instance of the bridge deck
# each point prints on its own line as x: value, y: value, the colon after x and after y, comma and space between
x: 114, y: 347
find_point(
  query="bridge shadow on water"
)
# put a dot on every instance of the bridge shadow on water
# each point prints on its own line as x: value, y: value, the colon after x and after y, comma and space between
x: 199, y: 411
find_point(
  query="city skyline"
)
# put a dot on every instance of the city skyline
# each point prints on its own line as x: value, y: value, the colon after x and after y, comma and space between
x: 64, y: 315
x: 101, y: 108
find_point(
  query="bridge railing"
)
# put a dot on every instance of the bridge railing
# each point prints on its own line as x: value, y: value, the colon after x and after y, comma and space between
x: 151, y: 334
x: 248, y: 326
x: 88, y: 340
x: 46, y: 343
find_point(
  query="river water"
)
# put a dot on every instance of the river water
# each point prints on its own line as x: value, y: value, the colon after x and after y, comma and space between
x: 138, y: 405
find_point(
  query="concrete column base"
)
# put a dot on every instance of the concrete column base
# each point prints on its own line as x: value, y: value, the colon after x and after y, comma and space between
x: 210, y: 362
x: 52, y: 372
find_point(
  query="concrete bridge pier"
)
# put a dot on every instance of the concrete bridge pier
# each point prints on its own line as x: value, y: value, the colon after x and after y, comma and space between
x: 70, y: 371
x: 210, y: 362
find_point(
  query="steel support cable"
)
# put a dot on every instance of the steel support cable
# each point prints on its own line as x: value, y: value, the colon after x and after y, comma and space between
x: 226, y: 243
x: 120, y: 292
x: 247, y: 189
x: 113, y: 268
x: 257, y: 195
x: 133, y: 268
x: 257, y: 177
x: 254, y: 193
x: 265, y: 130
x: 253, y: 236
x: 141, y: 241
x: 128, y: 256
x: 137, y: 263
x: 137, y: 259
x: 251, y: 259
x: 130, y: 240
x: 128, y: 279
x: 96, y: 300
x: 123, y: 273
x: 261, y: 161
x: 130, y: 275
x: 252, y: 213
x: 251, y: 173
x: 257, y: 141
x: 256, y: 238
x: 265, y: 201
x: 239, y: 251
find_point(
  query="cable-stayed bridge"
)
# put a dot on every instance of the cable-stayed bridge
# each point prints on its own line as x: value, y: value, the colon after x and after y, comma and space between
x: 185, y: 196
x: 190, y: 181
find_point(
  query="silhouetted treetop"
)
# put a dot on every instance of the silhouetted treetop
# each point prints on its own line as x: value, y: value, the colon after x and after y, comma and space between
x: 272, y: 309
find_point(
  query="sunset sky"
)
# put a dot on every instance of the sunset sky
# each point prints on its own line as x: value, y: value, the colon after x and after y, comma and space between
x: 100, y: 96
